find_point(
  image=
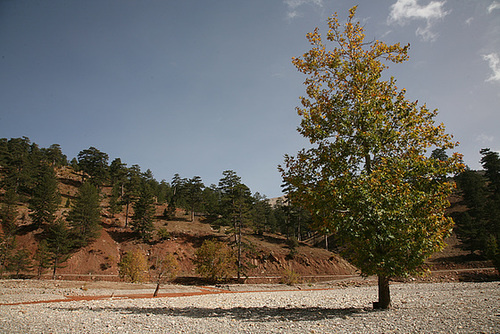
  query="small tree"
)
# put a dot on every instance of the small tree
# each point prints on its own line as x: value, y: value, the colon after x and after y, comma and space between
x: 215, y: 261
x: 59, y: 244
x: 115, y: 205
x: 493, y: 251
x: 8, y: 213
x: 133, y: 266
x: 166, y: 268
x: 368, y: 177
x: 42, y: 257
x: 20, y: 262
x: 7, y: 246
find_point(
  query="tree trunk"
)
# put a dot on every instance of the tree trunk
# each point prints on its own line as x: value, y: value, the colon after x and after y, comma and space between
x: 239, y: 249
x: 54, y: 270
x: 126, y: 215
x: 384, y: 294
x: 157, y: 289
x: 298, y: 230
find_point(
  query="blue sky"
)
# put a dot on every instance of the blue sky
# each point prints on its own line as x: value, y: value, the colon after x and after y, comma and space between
x: 199, y: 87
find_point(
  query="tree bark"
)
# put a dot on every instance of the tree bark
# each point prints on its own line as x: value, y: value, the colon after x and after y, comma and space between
x: 54, y: 269
x: 126, y: 214
x: 384, y: 294
x: 239, y: 248
x: 155, y: 294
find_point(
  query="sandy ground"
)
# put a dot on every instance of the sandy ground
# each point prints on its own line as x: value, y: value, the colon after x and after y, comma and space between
x: 334, y: 307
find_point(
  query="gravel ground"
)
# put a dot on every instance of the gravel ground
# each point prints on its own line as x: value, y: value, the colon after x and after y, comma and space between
x: 417, y: 308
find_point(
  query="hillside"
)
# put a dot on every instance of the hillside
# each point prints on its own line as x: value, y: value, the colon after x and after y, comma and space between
x: 266, y: 256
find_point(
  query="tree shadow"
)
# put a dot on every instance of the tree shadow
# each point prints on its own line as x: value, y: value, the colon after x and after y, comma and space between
x: 479, y: 276
x: 459, y: 259
x: 251, y: 314
x: 272, y: 240
x: 122, y: 236
x: 27, y: 228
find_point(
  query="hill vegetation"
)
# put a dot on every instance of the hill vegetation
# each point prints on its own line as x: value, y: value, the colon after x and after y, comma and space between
x: 79, y: 219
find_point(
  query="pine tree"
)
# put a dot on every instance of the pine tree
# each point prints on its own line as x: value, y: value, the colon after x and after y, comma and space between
x: 8, y: 214
x: 20, y: 262
x: 85, y: 214
x: 479, y: 226
x: 7, y: 246
x: 115, y: 204
x: 19, y: 160
x: 117, y: 172
x: 94, y: 163
x: 235, y: 208
x: 131, y: 189
x: 144, y: 211
x: 472, y: 225
x: 194, y: 192
x: 54, y: 156
x: 45, y: 199
x: 42, y: 257
x: 59, y: 244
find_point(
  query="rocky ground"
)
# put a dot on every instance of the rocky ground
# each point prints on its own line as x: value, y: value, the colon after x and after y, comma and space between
x: 330, y: 307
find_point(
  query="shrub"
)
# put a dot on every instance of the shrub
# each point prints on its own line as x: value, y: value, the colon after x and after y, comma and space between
x: 493, y: 252
x: 133, y: 266
x: 289, y: 276
x: 163, y: 233
x: 166, y: 268
x: 215, y: 261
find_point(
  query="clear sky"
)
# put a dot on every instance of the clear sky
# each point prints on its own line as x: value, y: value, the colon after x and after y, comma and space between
x: 198, y: 87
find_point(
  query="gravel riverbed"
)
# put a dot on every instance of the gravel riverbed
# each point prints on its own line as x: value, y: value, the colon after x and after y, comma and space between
x: 417, y: 308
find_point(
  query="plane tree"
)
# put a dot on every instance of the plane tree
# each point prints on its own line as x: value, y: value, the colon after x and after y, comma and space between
x: 368, y: 176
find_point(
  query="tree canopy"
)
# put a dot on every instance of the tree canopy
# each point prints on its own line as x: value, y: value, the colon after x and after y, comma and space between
x: 367, y: 176
x: 95, y: 164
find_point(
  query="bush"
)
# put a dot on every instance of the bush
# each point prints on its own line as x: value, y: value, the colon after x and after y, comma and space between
x: 166, y: 268
x: 290, y: 277
x: 163, y: 233
x: 493, y: 252
x: 215, y: 261
x: 133, y: 266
